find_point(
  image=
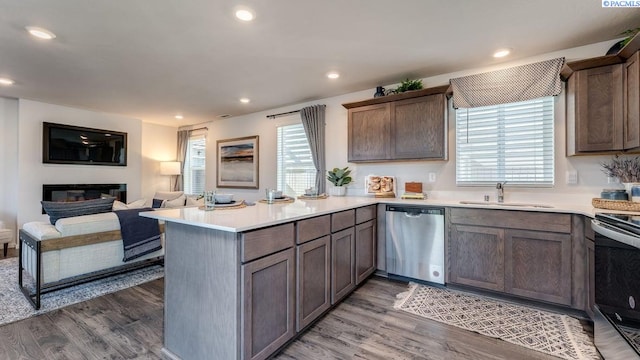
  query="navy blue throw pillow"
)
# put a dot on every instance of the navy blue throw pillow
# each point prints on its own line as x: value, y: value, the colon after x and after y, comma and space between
x: 58, y: 210
x: 157, y: 203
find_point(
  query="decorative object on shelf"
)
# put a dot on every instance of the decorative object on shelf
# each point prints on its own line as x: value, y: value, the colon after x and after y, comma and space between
x: 380, y: 91
x: 380, y: 186
x: 339, y: 178
x: 170, y: 168
x: 630, y: 33
x: 408, y: 85
x: 237, y: 163
x: 614, y: 194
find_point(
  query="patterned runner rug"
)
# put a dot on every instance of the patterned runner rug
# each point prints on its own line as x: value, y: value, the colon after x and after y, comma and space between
x: 554, y: 334
x: 14, y: 306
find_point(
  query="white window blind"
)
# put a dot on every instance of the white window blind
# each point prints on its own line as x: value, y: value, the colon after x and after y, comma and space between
x: 194, y: 176
x: 507, y: 142
x: 295, y: 166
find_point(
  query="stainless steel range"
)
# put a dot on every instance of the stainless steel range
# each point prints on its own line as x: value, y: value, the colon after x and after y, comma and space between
x: 617, y: 286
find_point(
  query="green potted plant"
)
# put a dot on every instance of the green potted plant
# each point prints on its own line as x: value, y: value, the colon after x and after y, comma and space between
x: 408, y: 85
x: 339, y: 178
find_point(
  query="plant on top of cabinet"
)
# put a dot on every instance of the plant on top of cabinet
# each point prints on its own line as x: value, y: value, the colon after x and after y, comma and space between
x: 407, y: 85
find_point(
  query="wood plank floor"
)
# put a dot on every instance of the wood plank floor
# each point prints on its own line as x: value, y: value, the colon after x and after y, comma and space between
x: 128, y: 325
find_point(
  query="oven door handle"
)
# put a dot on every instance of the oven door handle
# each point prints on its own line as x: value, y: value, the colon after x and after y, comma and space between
x: 615, y: 234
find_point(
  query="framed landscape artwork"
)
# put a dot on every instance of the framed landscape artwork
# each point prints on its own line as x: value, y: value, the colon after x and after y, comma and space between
x: 238, y: 163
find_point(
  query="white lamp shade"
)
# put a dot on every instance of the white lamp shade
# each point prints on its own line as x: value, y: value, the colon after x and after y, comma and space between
x: 170, y: 168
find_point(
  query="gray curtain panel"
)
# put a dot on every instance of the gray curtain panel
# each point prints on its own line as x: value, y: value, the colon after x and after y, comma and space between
x: 520, y: 83
x: 313, y: 122
x: 183, y: 143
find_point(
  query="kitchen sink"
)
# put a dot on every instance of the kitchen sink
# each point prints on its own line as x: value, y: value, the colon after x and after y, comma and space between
x: 506, y: 204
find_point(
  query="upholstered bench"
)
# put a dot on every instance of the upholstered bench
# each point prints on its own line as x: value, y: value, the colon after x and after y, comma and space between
x: 74, y: 250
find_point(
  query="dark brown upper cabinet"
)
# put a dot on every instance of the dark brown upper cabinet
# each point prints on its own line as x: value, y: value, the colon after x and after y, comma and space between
x: 603, y: 107
x: 406, y: 126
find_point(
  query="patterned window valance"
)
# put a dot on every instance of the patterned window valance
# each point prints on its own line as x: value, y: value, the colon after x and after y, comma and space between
x: 515, y: 84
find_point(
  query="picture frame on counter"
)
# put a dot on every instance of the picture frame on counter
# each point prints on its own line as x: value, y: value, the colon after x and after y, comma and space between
x: 237, y: 163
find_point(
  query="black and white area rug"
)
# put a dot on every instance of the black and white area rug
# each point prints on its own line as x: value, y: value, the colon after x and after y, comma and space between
x: 554, y: 334
x: 14, y: 306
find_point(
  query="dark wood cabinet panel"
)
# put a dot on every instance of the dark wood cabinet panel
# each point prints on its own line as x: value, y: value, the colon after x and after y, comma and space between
x: 538, y: 265
x: 314, y: 279
x: 309, y: 229
x: 365, y: 250
x: 368, y: 133
x: 403, y: 129
x: 268, y: 303
x: 631, y: 112
x: 343, y: 275
x: 603, y: 109
x: 598, y: 109
x: 477, y: 256
x: 418, y: 128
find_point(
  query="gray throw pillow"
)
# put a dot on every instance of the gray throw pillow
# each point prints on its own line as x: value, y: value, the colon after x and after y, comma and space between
x: 58, y: 210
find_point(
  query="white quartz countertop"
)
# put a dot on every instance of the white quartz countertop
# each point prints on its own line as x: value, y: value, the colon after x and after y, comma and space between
x: 263, y: 215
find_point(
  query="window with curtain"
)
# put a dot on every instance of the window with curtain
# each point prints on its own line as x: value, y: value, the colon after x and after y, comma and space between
x: 194, y: 176
x: 295, y: 170
x: 508, y: 142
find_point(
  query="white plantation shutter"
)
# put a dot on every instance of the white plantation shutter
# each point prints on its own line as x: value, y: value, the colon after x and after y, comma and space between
x: 295, y: 171
x: 507, y: 142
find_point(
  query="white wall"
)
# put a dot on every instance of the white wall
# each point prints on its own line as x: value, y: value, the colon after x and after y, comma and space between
x: 590, y: 178
x: 158, y: 144
x: 32, y: 173
x: 8, y: 161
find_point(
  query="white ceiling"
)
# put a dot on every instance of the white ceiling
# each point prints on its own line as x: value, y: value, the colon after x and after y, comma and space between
x: 151, y: 59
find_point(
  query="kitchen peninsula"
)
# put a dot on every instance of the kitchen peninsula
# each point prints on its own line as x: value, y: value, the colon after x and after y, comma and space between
x: 233, y: 289
x: 239, y: 284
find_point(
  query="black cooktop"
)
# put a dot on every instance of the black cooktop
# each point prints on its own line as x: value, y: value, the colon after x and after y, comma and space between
x: 627, y: 222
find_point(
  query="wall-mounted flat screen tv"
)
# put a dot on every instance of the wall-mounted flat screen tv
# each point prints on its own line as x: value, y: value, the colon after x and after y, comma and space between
x: 66, y: 144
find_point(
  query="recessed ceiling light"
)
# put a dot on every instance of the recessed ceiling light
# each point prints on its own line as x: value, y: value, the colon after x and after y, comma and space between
x: 6, y: 81
x: 179, y: 117
x: 40, y: 33
x: 501, y: 53
x: 333, y: 75
x: 244, y: 100
x: 245, y: 14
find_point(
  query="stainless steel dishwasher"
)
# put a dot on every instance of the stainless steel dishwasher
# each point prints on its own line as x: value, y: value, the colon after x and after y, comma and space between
x: 415, y: 242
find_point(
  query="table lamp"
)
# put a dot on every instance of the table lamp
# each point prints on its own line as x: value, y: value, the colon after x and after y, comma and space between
x: 170, y: 168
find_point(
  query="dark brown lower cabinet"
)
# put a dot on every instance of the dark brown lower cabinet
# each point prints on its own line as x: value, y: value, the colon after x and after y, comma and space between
x: 477, y: 256
x: 538, y: 265
x: 343, y: 275
x: 268, y: 301
x: 314, y: 279
x: 365, y: 250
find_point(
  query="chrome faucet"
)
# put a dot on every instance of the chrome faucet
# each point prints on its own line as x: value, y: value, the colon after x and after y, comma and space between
x: 500, y: 191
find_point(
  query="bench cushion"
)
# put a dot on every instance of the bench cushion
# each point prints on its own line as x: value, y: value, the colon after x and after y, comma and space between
x: 88, y: 224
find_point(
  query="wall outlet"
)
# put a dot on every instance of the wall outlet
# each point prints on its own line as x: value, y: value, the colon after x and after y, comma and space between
x: 572, y: 177
x: 432, y: 177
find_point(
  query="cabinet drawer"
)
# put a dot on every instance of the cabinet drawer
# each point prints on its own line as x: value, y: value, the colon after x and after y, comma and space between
x: 514, y: 219
x: 342, y: 220
x: 366, y: 213
x: 313, y: 228
x: 259, y: 243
